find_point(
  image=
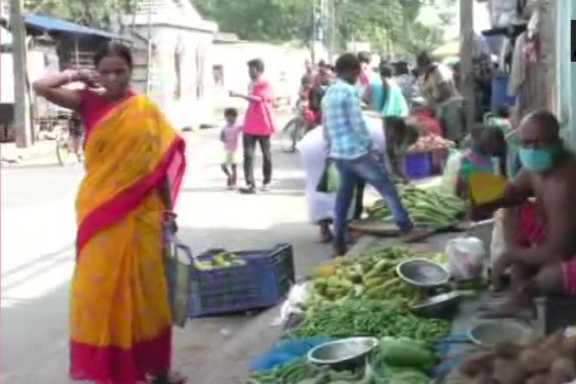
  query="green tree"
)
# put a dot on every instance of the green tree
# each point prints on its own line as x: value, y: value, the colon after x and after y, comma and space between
x: 101, y: 14
x: 265, y: 20
x: 385, y: 23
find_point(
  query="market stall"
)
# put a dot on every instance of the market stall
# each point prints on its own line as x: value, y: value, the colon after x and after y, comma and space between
x: 367, y: 298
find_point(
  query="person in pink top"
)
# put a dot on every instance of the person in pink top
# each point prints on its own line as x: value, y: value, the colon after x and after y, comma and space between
x: 258, y: 125
x: 230, y: 136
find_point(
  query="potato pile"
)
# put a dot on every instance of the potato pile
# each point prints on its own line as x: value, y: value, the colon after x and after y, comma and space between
x: 543, y: 361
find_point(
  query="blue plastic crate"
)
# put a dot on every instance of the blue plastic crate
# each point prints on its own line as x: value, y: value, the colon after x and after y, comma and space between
x: 262, y: 282
x: 418, y: 165
x: 500, y: 95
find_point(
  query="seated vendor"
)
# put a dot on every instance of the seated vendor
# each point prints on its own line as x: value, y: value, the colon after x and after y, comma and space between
x: 486, y: 153
x: 399, y: 137
x: 540, y: 249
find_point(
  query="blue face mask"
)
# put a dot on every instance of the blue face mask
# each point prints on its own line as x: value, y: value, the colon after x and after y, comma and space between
x: 538, y: 160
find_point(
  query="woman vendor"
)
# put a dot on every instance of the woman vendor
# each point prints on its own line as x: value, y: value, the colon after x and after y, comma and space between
x: 392, y: 137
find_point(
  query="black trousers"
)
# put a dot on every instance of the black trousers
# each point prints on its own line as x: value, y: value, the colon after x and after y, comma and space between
x: 249, y: 142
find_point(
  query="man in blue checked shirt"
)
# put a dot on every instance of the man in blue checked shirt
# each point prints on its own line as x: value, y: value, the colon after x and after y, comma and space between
x: 357, y: 159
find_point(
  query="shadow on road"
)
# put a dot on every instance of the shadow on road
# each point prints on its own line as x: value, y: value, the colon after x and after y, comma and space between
x: 286, y: 186
x: 40, y: 259
x: 35, y: 330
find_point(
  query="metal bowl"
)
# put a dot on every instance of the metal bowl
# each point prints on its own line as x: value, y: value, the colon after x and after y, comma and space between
x: 442, y: 306
x: 423, y: 273
x: 343, y: 354
x: 489, y: 333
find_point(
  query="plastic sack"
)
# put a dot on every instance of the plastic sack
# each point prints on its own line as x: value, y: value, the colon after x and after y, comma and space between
x: 297, y: 296
x: 497, y: 243
x: 451, y: 171
x: 330, y: 179
x: 177, y: 261
x: 285, y: 353
x: 466, y: 258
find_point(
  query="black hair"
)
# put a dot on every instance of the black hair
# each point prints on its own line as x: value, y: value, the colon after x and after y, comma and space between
x: 415, y: 72
x: 502, y: 111
x: 424, y: 58
x: 347, y: 62
x: 257, y: 64
x: 364, y: 57
x: 397, y: 122
x: 114, y: 48
x: 322, y: 64
x: 481, y: 132
x: 402, y: 68
x: 233, y: 112
x: 386, y: 70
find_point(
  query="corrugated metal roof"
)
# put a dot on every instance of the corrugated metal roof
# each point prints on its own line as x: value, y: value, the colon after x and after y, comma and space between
x: 50, y: 24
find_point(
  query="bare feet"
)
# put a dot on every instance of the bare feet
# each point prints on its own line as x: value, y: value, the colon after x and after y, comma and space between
x: 512, y: 307
x: 326, y: 235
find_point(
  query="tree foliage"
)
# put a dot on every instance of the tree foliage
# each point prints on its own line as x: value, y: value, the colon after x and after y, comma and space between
x: 101, y: 14
x: 387, y: 24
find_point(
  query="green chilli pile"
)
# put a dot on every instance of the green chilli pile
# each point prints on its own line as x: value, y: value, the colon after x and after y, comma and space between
x: 363, y: 317
x: 430, y: 208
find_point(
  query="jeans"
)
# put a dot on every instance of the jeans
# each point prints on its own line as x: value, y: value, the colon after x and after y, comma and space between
x: 249, y: 142
x: 369, y: 170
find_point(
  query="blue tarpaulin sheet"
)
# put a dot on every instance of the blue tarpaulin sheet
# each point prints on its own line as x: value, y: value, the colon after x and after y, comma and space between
x: 51, y: 24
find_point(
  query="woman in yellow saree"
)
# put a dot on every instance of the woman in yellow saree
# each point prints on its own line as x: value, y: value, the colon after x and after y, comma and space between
x: 120, y: 318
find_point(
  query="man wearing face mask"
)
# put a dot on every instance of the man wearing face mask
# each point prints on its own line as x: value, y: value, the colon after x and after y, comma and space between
x: 540, y: 245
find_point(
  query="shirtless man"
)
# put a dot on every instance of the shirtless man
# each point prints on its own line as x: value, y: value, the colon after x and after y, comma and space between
x: 540, y: 245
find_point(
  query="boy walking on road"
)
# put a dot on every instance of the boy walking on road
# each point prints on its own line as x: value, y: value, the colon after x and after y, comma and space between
x: 258, y: 126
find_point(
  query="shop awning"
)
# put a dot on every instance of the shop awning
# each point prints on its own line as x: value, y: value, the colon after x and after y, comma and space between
x: 51, y: 24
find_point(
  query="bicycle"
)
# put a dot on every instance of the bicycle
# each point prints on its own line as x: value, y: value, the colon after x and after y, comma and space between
x: 65, y: 143
x: 293, y: 131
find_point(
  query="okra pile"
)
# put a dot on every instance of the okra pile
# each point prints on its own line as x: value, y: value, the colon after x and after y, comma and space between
x: 430, y: 208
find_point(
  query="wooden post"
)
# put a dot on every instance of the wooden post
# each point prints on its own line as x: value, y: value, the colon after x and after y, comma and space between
x: 466, y: 51
x: 22, y: 124
x: 332, y: 29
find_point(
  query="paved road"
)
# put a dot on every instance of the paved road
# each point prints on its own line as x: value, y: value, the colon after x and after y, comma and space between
x: 37, y: 261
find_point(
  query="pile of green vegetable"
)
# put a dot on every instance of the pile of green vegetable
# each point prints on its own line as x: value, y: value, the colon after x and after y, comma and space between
x: 371, y: 276
x: 363, y: 317
x: 431, y: 208
x: 396, y: 361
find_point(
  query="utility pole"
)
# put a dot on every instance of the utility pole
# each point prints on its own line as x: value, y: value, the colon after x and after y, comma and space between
x: 21, y: 111
x: 466, y: 65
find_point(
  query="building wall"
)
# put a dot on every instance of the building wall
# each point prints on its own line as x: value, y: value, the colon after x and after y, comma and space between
x: 284, y: 67
x: 189, y: 50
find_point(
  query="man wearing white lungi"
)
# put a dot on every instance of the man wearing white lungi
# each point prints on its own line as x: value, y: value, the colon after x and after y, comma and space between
x: 313, y: 153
